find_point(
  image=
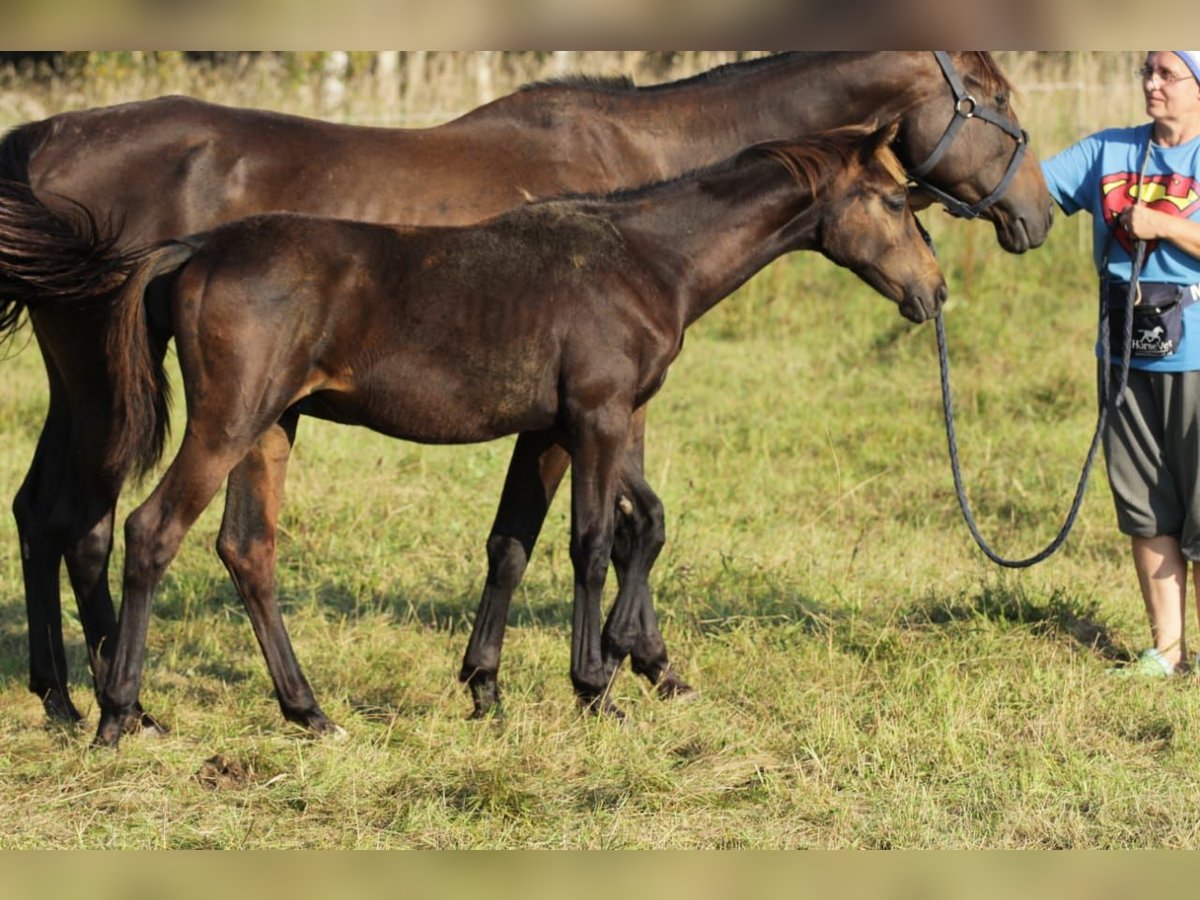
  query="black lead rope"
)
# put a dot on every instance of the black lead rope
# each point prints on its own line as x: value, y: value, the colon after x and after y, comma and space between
x: 1106, y: 396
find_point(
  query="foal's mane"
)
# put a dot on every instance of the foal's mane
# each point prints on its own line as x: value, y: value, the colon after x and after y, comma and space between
x: 808, y: 158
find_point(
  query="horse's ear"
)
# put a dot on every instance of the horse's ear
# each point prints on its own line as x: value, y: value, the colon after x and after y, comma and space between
x: 919, y: 200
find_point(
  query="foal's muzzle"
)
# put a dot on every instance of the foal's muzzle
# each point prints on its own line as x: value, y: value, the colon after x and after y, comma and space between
x: 918, y: 306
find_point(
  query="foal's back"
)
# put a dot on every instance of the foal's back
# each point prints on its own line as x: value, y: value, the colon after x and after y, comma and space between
x: 441, y: 335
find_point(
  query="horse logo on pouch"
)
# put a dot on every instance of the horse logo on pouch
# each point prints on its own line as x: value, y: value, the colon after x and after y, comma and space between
x: 1150, y: 341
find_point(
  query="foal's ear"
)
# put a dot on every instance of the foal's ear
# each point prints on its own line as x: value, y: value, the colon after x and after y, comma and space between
x: 885, y: 136
x: 879, y: 145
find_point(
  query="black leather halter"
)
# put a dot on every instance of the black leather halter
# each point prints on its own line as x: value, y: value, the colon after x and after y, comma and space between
x: 966, y: 107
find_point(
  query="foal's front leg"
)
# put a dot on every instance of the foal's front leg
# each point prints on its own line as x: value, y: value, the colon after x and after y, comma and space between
x: 639, y: 534
x: 596, y: 461
x: 632, y: 628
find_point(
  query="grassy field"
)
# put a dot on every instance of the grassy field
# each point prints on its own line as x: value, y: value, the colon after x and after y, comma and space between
x: 866, y: 678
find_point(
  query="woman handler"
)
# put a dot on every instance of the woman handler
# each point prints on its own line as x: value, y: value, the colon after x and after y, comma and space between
x: 1142, y: 184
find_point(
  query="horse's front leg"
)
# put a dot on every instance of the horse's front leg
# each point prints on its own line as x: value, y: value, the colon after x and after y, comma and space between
x: 247, y: 546
x: 598, y: 448
x: 537, y: 466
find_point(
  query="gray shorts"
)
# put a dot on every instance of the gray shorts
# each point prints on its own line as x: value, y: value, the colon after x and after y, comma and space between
x: 1152, y: 448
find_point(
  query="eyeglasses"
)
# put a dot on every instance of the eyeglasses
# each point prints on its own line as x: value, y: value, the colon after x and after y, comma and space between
x: 1165, y: 76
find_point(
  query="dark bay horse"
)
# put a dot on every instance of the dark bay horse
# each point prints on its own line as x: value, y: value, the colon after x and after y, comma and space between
x: 558, y: 319
x: 156, y: 169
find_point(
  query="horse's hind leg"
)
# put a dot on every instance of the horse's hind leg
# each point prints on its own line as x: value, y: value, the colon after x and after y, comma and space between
x: 247, y: 547
x: 534, y: 473
x: 88, y: 511
x: 41, y: 557
x: 632, y: 627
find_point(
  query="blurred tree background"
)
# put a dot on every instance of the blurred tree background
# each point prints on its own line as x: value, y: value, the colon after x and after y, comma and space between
x: 424, y: 87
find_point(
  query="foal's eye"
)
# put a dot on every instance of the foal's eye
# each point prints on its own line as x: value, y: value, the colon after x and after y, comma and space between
x: 1001, y: 100
x: 896, y: 202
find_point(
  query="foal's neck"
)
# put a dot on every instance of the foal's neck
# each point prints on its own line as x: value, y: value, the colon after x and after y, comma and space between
x: 709, y: 234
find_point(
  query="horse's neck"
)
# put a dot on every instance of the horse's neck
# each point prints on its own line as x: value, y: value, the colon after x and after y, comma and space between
x: 709, y: 234
x: 678, y: 127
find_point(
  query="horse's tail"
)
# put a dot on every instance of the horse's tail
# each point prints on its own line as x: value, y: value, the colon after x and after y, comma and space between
x: 47, y: 255
x: 140, y: 390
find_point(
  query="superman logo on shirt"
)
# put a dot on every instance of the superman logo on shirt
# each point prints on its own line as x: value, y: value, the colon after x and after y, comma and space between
x: 1175, y: 195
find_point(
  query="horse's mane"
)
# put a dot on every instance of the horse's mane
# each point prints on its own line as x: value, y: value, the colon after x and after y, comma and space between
x: 987, y: 71
x: 623, y: 84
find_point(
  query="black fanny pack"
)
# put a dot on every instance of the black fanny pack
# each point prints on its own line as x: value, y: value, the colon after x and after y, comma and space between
x: 1157, y: 317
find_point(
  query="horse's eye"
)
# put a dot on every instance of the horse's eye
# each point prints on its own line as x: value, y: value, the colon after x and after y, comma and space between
x: 896, y: 202
x: 1001, y: 100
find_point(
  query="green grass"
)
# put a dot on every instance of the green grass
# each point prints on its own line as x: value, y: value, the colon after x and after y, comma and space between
x: 867, y: 679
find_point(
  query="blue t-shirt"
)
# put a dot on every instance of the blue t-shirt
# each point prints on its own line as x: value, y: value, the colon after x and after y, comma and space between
x: 1100, y: 174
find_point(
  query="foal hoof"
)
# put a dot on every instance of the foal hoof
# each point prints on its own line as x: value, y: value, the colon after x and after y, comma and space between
x: 480, y: 712
x: 334, y: 733
x: 672, y: 687
x: 108, y: 734
x: 327, y: 730
x: 485, y: 698
x: 141, y: 722
x: 602, y: 707
x: 59, y: 708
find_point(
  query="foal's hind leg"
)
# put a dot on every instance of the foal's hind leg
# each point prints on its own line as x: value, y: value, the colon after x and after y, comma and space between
x: 247, y: 547
x: 536, y: 468
x: 153, y: 534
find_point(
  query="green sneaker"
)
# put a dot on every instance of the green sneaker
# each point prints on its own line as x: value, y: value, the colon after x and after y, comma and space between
x: 1149, y: 664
